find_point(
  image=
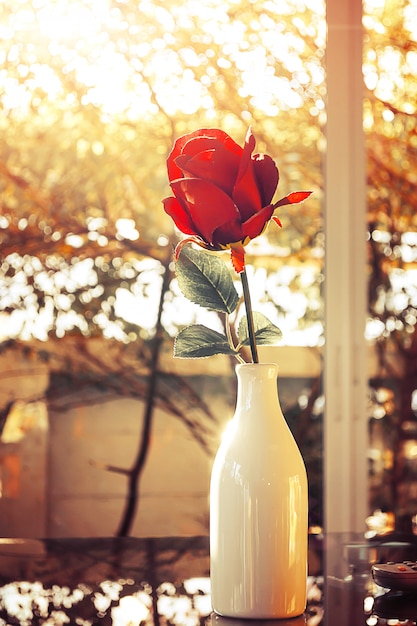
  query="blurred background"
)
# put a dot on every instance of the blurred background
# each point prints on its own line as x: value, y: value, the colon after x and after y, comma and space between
x: 102, y: 431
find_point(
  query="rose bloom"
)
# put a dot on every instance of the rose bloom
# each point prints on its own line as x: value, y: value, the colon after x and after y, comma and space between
x: 222, y: 192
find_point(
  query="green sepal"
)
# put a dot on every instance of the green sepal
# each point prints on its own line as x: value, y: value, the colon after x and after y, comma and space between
x: 198, y: 341
x: 205, y: 280
x: 266, y: 333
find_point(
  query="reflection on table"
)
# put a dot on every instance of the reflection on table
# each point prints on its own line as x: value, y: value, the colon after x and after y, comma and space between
x: 165, y: 581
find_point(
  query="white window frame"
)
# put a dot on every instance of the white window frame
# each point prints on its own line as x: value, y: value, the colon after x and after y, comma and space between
x: 345, y: 374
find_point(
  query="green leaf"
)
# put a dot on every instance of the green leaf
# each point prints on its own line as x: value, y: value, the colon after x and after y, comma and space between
x: 198, y: 341
x: 205, y: 280
x: 266, y: 333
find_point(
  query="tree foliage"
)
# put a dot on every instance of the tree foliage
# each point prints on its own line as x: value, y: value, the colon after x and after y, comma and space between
x: 90, y: 113
x: 390, y: 109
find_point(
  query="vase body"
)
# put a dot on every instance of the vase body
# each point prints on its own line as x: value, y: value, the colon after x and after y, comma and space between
x: 258, y: 507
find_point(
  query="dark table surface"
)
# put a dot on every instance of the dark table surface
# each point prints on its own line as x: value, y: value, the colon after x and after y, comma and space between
x: 165, y: 581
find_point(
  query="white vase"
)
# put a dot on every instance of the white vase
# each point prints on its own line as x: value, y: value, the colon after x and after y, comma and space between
x: 258, y: 507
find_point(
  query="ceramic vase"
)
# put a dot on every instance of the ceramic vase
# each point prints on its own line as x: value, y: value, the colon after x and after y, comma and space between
x: 258, y: 507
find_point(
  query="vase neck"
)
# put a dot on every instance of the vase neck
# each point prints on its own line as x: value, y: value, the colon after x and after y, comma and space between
x: 257, y: 386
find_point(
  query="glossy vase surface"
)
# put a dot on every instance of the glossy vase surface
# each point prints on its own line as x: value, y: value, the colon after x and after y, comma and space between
x: 258, y: 507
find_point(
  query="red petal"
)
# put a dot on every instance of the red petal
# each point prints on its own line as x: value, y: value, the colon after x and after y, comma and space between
x: 218, y: 166
x: 256, y: 182
x: 201, y: 134
x: 246, y: 193
x: 293, y: 198
x: 255, y: 225
x: 211, y: 140
x: 230, y: 231
x: 277, y: 221
x: 267, y: 176
x: 208, y: 206
x: 182, y: 219
x: 237, y: 255
x: 184, y: 241
x: 298, y: 196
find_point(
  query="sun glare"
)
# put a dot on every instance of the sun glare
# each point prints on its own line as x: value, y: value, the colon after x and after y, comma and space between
x: 73, y: 21
x: 96, y: 42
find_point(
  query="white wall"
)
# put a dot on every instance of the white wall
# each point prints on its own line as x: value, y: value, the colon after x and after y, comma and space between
x: 52, y: 466
x: 88, y: 500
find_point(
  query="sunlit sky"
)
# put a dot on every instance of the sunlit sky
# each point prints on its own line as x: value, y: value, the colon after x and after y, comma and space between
x: 86, y: 35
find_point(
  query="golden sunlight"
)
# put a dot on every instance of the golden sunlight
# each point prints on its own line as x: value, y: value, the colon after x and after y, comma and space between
x: 97, y: 43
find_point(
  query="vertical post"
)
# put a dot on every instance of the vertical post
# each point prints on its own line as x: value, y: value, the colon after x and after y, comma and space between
x: 345, y: 438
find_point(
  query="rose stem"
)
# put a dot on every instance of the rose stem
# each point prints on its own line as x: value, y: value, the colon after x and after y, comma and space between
x: 249, y: 316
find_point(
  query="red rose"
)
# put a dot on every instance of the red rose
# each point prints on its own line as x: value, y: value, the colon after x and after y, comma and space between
x: 222, y: 192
